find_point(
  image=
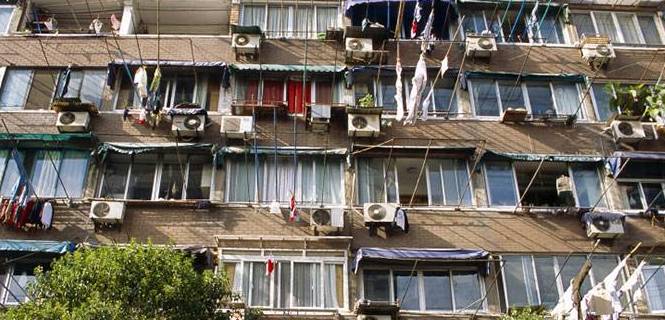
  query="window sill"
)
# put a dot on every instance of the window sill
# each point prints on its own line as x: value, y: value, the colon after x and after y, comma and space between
x: 156, y: 203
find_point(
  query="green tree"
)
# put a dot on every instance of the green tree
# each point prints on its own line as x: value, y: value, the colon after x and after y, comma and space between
x: 134, y: 282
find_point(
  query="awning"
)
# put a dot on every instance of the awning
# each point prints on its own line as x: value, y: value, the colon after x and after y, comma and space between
x: 168, y: 63
x: 524, y: 77
x: 288, y: 67
x: 42, y: 246
x: 640, y: 155
x: 412, y: 254
x: 46, y: 137
x: 139, y: 148
x: 545, y: 157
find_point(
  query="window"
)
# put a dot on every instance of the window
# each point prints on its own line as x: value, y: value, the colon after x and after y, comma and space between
x: 425, y: 290
x: 28, y: 89
x: 15, y: 88
x: 295, y: 283
x: 6, y: 13
x: 16, y: 281
x: 620, y: 27
x: 177, y: 89
x: 88, y: 85
x: 541, y: 98
x: 540, y: 280
x: 654, y: 288
x: 151, y: 176
x: 287, y: 20
x: 500, y: 183
x: 318, y: 180
x: 444, y: 181
x: 642, y: 195
x: 601, y: 100
x: 542, y: 191
x: 588, y: 186
x: 512, y: 26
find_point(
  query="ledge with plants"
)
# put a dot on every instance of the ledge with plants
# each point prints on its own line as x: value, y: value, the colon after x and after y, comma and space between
x: 639, y: 102
x: 365, y: 105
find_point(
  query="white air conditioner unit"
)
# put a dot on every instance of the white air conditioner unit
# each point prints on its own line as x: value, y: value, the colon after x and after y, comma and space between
x: 480, y: 45
x: 373, y: 317
x: 627, y: 131
x: 604, y: 229
x: 597, y: 51
x: 246, y: 44
x: 69, y: 121
x: 379, y: 212
x: 359, y: 49
x: 364, y: 125
x: 111, y: 212
x: 188, y: 125
x: 237, y: 127
x: 327, y: 218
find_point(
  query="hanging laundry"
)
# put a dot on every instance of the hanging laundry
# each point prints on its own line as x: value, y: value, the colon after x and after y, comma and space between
x: 115, y: 23
x: 426, y: 45
x: 428, y: 100
x: 399, y: 92
x: 337, y: 217
x: 226, y: 77
x: 417, y: 16
x: 532, y: 22
x: 270, y: 265
x: 141, y: 82
x: 365, y: 24
x: 293, y: 210
x: 142, y: 116
x: 50, y: 24
x: 401, y: 220
x: 417, y: 87
x: 156, y: 80
x: 96, y: 26
x: 565, y: 308
x: 63, y: 82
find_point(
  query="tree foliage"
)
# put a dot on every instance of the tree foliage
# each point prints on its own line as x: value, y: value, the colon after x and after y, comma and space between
x: 134, y: 282
x: 526, y: 313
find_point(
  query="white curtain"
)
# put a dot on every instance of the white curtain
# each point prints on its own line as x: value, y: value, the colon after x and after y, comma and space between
x: 303, y: 22
x: 45, y: 173
x: 73, y: 169
x: 649, y: 30
x: 278, y: 21
x: 241, y: 177
x: 328, y: 182
x: 260, y: 295
x: 326, y: 17
x: 567, y: 98
x: 330, y: 286
x: 277, y: 182
x: 606, y: 25
x: 15, y: 88
x: 254, y: 16
x: 92, y: 88
x: 307, y: 285
x: 307, y: 186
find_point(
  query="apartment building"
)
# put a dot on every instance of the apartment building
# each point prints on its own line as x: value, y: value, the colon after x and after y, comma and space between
x: 526, y: 160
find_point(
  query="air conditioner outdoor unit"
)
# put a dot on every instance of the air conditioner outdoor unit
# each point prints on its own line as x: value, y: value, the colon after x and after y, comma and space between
x: 373, y: 317
x: 246, y: 44
x: 650, y: 131
x: 237, y: 127
x: 319, y: 117
x: 597, y: 51
x: 111, y: 212
x: 379, y: 212
x: 480, y: 45
x: 327, y: 218
x: 604, y: 229
x: 627, y: 131
x: 188, y: 125
x: 69, y: 121
x: 359, y: 49
x: 364, y: 125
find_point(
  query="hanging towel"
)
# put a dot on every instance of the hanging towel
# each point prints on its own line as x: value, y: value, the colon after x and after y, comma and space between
x: 417, y: 88
x: 293, y: 210
x: 115, y: 23
x: 47, y: 215
x: 399, y: 92
x: 337, y: 217
x: 96, y: 26
x: 156, y: 79
x: 426, y: 45
x: 141, y: 82
x: 401, y: 220
x: 49, y: 24
x: 417, y: 15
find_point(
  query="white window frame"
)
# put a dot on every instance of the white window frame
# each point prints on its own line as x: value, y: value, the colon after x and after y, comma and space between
x: 617, y: 26
x: 516, y: 186
x: 385, y: 186
x: 643, y: 279
x: 601, y: 181
x: 289, y: 31
x: 639, y: 183
x: 419, y: 279
x: 4, y: 290
x: 28, y: 85
x: 291, y: 257
x: 11, y: 18
x: 158, y: 178
x: 443, y: 186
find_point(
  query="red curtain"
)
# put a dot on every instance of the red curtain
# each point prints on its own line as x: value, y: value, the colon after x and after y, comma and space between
x: 252, y: 91
x: 273, y: 91
x: 323, y: 92
x: 295, y: 96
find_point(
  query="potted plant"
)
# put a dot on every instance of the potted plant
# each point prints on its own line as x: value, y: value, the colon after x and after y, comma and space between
x: 627, y: 101
x: 365, y: 105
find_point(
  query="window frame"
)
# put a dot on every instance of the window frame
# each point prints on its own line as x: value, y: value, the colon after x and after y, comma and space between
x: 617, y: 27
x: 4, y: 289
x: 516, y: 185
x: 468, y: 188
x: 643, y: 199
x: 643, y: 280
x: 604, y: 199
x: 11, y: 17
x: 420, y: 281
x: 157, y: 179
x: 289, y: 31
x: 275, y: 278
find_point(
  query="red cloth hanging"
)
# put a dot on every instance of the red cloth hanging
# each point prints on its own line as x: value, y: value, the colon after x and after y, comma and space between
x: 295, y: 96
x: 252, y: 92
x: 273, y: 92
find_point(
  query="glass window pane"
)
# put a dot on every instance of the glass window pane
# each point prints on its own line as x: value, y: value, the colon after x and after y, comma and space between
x: 75, y: 81
x: 466, y: 286
x: 284, y: 284
x: 583, y: 23
x: 655, y: 288
x: 443, y: 92
x: 605, y: 25
x: 376, y: 285
x: 41, y: 89
x: 547, y: 284
x: 173, y: 170
x: 511, y: 95
x: 260, y: 295
x: 4, y: 157
x: 455, y: 181
x: 73, y: 170
x: 5, y: 18
x: 631, y: 195
x: 45, y: 173
x: 550, y: 30
x: 484, y: 98
x: 501, y: 183
x: 587, y: 186
x: 540, y: 98
x: 388, y: 92
x: 93, y: 85
x: 278, y: 21
x: 241, y: 178
x: 142, y: 177
x: 602, y: 100
x: 434, y: 182
x: 569, y: 269
x: 474, y: 22
x: 406, y: 290
x: 184, y: 90
x: 371, y: 180
x: 326, y: 17
x: 437, y: 291
x: 520, y: 281
x: 304, y: 23
x: 628, y: 28
x: 23, y: 275
x: 15, y: 88
x: 649, y: 30
x: 11, y: 176
x: 602, y: 265
x: 115, y: 177
x: 307, y: 285
x: 329, y: 177
x: 254, y: 16
x: 567, y: 98
x: 199, y: 177
x: 333, y: 286
x: 653, y: 193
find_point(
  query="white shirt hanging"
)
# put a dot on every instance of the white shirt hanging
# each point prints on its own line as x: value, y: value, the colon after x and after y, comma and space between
x: 399, y: 92
x: 141, y: 82
x: 417, y: 87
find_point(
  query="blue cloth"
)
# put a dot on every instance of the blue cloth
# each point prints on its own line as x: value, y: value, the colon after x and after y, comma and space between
x: 410, y: 254
x: 59, y: 247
